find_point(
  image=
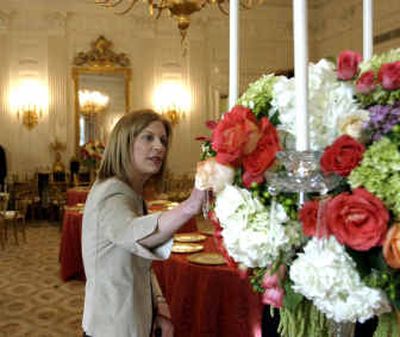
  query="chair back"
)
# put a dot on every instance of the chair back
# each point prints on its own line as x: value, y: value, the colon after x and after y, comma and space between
x: 4, y: 198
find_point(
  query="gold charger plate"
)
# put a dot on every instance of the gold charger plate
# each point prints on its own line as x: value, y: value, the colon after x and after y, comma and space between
x: 207, y: 231
x: 189, y: 237
x: 213, y: 259
x: 183, y: 247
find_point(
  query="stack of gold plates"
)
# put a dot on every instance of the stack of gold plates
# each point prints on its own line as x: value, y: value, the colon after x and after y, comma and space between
x: 189, y: 237
x: 183, y: 247
x: 212, y: 259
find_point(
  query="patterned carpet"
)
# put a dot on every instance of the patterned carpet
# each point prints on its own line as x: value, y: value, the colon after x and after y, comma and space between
x: 34, y: 302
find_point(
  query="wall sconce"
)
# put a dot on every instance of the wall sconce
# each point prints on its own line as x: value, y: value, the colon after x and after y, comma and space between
x: 29, y: 100
x: 92, y: 102
x: 172, y: 100
x: 30, y: 115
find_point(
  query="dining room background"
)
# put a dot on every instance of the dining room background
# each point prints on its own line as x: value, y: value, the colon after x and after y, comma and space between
x: 39, y: 40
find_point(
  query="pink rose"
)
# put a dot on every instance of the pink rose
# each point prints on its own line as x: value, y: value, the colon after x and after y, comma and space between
x: 389, y: 75
x: 235, y: 135
x: 366, y: 82
x: 347, y: 64
x: 212, y: 175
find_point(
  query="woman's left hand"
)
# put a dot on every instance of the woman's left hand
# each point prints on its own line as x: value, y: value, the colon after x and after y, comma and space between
x: 165, y: 325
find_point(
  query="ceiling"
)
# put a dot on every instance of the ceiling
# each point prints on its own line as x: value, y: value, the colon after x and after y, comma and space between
x: 88, y: 5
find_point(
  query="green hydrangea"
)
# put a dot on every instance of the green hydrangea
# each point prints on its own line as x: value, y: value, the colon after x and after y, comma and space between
x: 258, y: 96
x: 379, y: 173
x: 375, y: 62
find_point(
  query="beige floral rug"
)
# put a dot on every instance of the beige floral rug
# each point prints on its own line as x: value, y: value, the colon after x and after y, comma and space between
x: 34, y: 302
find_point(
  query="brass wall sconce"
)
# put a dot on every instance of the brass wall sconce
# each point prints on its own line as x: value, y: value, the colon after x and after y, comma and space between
x: 29, y: 100
x: 30, y: 116
x: 172, y: 100
x: 173, y: 116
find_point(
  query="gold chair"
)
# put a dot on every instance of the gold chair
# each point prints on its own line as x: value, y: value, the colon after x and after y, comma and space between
x: 57, y: 201
x: 2, y: 229
x: 20, y: 212
x: 4, y: 198
x: 16, y: 218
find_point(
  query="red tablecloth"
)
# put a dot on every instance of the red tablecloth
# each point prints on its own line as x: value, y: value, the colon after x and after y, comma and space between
x: 77, y: 195
x: 70, y: 247
x: 208, y: 301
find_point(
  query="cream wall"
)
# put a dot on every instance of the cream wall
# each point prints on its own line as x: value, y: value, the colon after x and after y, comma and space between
x: 42, y: 42
x: 337, y: 25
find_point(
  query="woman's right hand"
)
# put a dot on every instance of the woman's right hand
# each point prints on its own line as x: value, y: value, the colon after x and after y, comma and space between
x: 194, y: 203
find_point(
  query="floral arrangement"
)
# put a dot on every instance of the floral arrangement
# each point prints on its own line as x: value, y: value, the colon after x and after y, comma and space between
x: 91, y: 153
x: 337, y: 258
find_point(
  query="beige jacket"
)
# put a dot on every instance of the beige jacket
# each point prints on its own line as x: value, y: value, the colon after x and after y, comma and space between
x: 118, y: 288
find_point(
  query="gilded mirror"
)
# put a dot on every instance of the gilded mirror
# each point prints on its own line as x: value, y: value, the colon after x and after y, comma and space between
x: 101, y: 91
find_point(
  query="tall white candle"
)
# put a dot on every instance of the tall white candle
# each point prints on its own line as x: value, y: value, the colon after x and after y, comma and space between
x: 301, y: 73
x: 368, y: 32
x: 233, y: 52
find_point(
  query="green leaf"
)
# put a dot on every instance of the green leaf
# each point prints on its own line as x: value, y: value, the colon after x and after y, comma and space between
x: 292, y: 299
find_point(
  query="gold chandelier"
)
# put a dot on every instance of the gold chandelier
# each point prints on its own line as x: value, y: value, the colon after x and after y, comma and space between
x: 179, y: 9
x: 92, y: 102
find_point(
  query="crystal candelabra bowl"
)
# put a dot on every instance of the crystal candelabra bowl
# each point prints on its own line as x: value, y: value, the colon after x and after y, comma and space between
x: 301, y: 174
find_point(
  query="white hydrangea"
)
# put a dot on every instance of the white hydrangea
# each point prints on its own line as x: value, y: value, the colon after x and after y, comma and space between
x: 330, y: 103
x: 253, y: 234
x: 325, y: 274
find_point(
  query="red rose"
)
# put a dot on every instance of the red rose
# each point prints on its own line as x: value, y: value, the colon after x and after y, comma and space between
x: 358, y: 220
x: 342, y: 156
x: 366, y: 82
x: 211, y: 124
x: 347, y: 64
x: 308, y: 216
x: 263, y: 156
x: 235, y: 135
x: 389, y: 75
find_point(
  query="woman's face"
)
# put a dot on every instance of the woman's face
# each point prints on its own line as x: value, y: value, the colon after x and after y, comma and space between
x: 149, y: 149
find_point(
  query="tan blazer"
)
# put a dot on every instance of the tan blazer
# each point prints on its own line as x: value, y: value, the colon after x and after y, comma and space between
x: 118, y: 288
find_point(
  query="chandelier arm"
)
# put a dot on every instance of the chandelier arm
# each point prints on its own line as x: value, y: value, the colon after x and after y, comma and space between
x: 246, y: 4
x: 160, y: 6
x: 222, y: 9
x: 130, y: 6
x: 160, y: 9
x: 108, y: 3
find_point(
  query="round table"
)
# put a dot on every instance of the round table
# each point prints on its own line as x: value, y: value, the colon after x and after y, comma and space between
x: 208, y: 301
x: 77, y: 195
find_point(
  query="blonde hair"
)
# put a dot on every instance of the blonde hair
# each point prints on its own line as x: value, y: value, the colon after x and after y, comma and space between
x: 116, y: 160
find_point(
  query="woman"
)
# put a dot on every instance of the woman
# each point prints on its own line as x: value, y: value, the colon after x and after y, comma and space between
x: 119, y: 241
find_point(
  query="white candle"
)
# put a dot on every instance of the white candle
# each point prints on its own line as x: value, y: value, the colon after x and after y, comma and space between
x: 301, y: 73
x: 233, y: 52
x: 367, y: 29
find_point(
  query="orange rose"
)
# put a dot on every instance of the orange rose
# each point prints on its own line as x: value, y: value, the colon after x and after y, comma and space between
x: 391, y: 247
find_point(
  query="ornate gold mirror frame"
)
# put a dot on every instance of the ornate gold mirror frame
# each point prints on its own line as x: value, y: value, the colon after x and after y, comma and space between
x: 99, y: 61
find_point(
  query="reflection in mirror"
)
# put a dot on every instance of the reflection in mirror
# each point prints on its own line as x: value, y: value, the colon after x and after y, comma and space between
x: 102, y: 81
x: 101, y: 103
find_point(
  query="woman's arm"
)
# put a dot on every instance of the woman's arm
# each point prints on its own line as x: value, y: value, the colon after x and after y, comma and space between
x: 170, y: 221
